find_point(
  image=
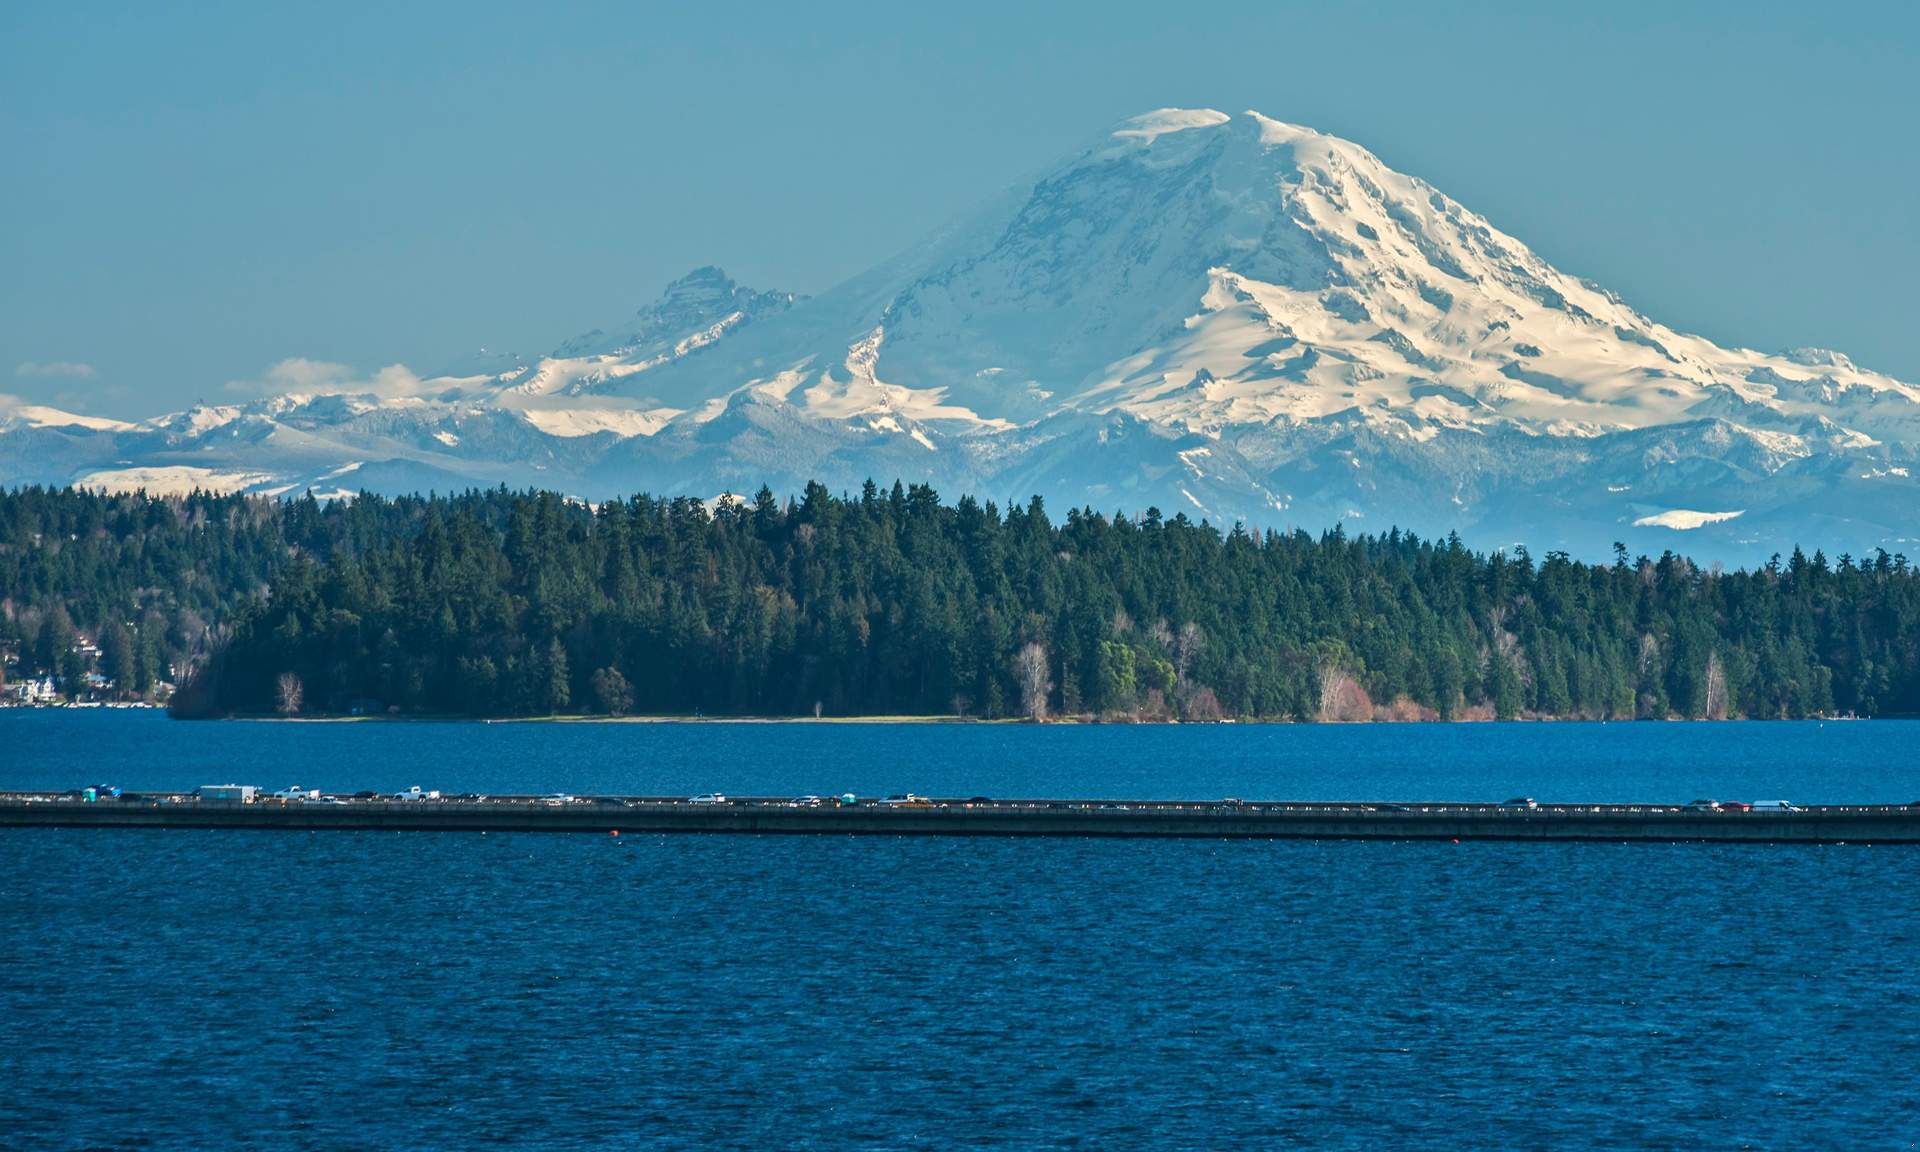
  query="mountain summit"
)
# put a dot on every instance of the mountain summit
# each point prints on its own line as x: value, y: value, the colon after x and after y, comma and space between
x: 1226, y: 316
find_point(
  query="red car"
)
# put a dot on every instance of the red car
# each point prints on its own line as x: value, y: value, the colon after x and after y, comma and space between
x: 1735, y: 806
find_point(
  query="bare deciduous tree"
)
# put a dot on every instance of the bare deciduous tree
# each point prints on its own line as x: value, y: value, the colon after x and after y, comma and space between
x: 1716, y: 688
x: 288, y: 694
x: 1341, y: 696
x: 1187, y: 645
x: 1153, y: 705
x: 1203, y: 706
x: 1649, y: 654
x: 1507, y: 646
x: 1030, y: 667
x: 1334, y: 682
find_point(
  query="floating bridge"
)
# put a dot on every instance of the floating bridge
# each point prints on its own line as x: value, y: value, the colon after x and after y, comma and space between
x: 647, y: 815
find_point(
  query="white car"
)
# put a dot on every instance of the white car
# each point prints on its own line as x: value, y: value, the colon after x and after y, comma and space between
x: 556, y: 800
x: 707, y: 798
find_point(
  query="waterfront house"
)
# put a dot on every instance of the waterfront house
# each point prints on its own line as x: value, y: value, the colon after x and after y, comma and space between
x: 39, y: 691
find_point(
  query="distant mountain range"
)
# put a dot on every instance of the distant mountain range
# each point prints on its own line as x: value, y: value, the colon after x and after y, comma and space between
x: 1228, y: 317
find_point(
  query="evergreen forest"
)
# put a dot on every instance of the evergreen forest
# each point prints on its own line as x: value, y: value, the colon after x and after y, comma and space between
x: 890, y: 601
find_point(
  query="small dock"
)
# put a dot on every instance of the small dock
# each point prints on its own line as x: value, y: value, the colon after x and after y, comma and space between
x: 646, y: 815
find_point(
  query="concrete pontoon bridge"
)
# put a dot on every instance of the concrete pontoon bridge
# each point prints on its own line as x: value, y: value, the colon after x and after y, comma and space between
x: 979, y: 816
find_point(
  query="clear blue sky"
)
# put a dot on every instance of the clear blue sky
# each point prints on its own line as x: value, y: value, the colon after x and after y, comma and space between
x: 191, y: 193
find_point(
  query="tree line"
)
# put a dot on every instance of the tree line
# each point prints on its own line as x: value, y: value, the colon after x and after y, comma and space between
x: 891, y: 601
x: 117, y: 597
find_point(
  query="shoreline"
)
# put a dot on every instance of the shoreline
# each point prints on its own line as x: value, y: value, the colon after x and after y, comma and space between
x: 905, y: 719
x: 1021, y: 721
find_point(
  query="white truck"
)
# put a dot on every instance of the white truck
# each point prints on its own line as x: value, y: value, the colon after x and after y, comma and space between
x: 416, y: 793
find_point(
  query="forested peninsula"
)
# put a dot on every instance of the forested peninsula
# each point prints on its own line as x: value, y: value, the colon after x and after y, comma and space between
x: 890, y: 602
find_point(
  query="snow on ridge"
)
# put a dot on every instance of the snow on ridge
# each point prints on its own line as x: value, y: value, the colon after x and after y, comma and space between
x: 578, y: 374
x: 173, y: 479
x: 39, y: 416
x: 862, y: 392
x: 707, y: 335
x: 1150, y: 126
x: 1280, y: 132
x: 201, y: 418
x: 1683, y: 519
x: 622, y: 422
x: 553, y: 375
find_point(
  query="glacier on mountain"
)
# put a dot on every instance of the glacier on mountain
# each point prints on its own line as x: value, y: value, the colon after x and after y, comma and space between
x: 1226, y: 317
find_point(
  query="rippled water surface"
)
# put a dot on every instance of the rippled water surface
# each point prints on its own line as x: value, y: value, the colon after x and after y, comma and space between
x: 196, y: 989
x: 1834, y: 762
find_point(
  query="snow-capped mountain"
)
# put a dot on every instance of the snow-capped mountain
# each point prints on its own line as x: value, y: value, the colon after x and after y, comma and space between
x: 1226, y: 316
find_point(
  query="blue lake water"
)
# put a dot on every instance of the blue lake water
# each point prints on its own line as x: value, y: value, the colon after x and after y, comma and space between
x: 195, y: 989
x: 1809, y: 762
